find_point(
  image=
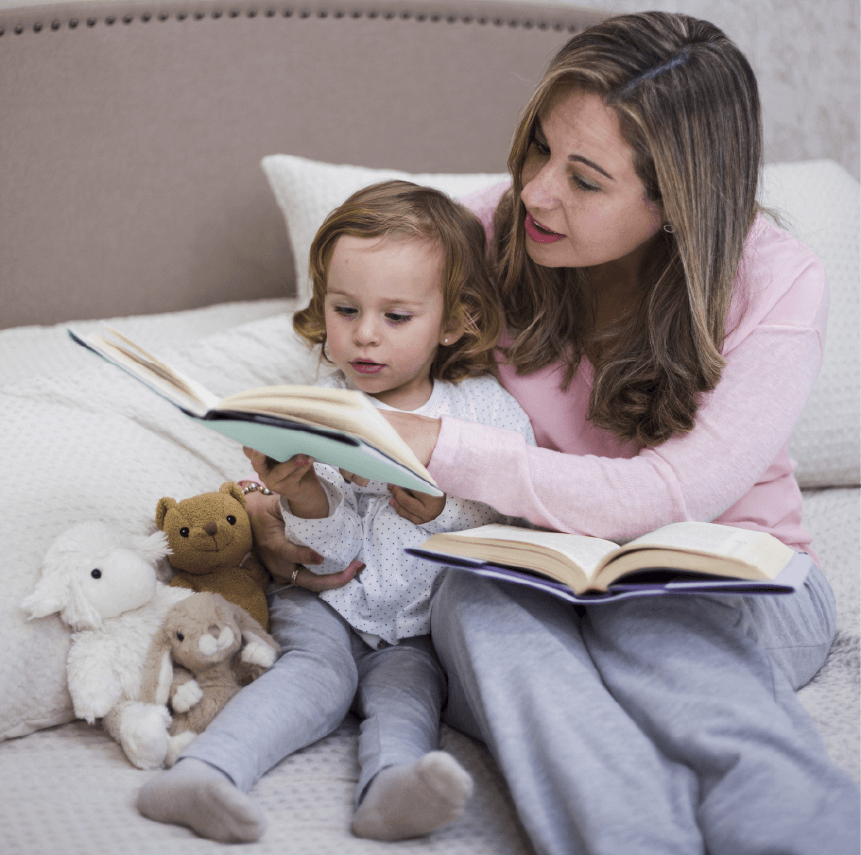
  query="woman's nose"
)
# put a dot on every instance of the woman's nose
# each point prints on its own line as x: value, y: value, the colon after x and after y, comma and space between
x: 540, y: 191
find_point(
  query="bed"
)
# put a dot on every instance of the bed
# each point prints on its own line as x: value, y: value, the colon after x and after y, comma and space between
x: 164, y: 165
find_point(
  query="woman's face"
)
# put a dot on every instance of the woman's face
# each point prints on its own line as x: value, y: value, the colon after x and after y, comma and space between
x: 585, y: 205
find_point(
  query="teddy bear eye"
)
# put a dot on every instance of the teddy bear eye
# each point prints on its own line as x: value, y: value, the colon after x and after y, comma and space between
x: 96, y: 574
x: 180, y: 636
x: 183, y: 532
x: 231, y: 519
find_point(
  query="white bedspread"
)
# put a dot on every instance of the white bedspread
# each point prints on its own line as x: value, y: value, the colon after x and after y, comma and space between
x: 86, y: 441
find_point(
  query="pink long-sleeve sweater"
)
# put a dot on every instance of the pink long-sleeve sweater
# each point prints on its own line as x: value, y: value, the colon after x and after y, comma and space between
x: 733, y: 467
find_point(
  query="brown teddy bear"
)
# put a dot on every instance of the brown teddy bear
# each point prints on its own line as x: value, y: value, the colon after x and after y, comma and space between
x: 210, y: 541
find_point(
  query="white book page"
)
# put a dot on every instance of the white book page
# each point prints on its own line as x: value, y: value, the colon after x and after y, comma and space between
x: 585, y: 551
x: 752, y: 547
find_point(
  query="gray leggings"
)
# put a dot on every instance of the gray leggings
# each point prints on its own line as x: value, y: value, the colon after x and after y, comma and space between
x: 324, y: 670
x: 659, y: 725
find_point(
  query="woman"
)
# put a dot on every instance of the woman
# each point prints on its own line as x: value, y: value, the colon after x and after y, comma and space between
x: 663, y: 337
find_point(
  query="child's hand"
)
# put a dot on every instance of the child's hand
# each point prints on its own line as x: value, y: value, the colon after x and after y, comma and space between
x: 350, y: 478
x: 418, y: 508
x: 294, y: 480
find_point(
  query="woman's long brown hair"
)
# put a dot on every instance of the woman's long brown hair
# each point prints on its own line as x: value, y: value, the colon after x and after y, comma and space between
x: 688, y: 107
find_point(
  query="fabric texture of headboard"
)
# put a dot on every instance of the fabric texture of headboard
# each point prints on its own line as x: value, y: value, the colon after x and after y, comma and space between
x: 132, y: 132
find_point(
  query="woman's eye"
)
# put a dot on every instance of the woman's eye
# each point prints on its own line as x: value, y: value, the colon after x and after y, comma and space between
x: 584, y: 185
x: 396, y: 318
x: 539, y: 144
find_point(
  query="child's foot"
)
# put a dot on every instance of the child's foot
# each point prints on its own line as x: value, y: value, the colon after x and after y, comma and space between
x: 198, y: 795
x: 413, y: 800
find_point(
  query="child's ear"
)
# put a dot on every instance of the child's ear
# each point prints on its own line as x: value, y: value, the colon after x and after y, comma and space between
x: 452, y: 332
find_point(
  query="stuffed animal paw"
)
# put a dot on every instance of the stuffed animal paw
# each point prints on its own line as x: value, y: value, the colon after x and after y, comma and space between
x: 186, y: 696
x: 258, y: 653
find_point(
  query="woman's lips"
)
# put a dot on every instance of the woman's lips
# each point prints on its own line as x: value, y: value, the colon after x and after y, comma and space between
x: 538, y: 233
x: 364, y: 367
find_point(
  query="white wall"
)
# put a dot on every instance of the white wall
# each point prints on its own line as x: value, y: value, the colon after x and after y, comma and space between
x: 806, y: 57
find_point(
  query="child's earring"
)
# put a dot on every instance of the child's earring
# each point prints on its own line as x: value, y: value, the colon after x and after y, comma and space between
x: 445, y: 341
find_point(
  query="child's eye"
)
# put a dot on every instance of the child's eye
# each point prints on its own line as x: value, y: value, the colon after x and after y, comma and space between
x: 396, y: 318
x: 346, y: 311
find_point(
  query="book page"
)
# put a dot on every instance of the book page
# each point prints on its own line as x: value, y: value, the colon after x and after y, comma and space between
x: 743, y: 549
x: 754, y: 547
x: 186, y: 393
x: 340, y: 409
x: 584, y: 552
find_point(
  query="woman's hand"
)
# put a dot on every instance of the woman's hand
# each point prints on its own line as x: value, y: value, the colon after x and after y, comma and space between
x: 282, y: 557
x: 419, y: 432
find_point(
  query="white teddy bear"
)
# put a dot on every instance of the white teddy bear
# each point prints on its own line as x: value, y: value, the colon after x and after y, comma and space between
x: 103, y: 583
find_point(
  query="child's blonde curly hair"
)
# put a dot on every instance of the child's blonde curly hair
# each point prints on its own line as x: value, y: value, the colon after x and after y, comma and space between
x: 401, y: 209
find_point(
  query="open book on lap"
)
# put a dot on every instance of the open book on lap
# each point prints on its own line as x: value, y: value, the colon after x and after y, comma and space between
x: 340, y: 427
x: 681, y: 558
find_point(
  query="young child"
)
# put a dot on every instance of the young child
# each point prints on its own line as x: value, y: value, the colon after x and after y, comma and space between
x: 403, y: 307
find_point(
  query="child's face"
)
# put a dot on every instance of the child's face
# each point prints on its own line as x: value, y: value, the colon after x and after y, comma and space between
x: 384, y: 315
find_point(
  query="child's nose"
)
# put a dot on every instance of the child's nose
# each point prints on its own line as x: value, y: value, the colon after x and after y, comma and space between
x: 366, y: 331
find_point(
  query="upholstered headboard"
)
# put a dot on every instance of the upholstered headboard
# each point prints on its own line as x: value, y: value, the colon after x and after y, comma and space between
x: 131, y: 133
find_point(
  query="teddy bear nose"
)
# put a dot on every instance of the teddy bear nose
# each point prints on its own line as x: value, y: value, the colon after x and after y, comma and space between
x: 210, y: 528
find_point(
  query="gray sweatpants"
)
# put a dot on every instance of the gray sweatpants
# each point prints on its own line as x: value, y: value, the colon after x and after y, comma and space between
x: 324, y: 670
x: 651, y: 726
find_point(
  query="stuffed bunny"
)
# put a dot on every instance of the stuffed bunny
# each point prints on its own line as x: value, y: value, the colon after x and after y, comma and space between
x: 102, y: 581
x: 203, y: 635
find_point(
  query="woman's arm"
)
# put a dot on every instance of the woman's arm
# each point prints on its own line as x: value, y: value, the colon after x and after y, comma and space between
x: 741, y: 427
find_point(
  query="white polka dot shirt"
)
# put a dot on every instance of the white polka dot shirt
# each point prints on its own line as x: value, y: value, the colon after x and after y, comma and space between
x: 390, y: 599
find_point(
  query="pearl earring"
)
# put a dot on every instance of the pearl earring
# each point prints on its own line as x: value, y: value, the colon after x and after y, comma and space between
x: 445, y: 341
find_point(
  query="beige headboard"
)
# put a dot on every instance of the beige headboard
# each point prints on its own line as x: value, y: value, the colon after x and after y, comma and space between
x: 131, y: 132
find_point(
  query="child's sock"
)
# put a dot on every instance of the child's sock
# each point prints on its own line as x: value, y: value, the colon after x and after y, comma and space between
x: 413, y: 800
x: 198, y: 795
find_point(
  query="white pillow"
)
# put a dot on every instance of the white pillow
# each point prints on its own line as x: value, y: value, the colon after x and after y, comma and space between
x: 819, y: 202
x: 96, y: 444
x: 307, y: 191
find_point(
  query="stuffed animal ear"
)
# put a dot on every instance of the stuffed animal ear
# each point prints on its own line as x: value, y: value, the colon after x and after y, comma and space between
x: 161, y: 509
x: 56, y: 592
x: 151, y: 548
x: 233, y: 489
x: 157, y: 675
x: 50, y: 595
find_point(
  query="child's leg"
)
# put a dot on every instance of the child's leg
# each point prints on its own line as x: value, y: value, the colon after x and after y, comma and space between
x: 303, y: 697
x: 407, y: 788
